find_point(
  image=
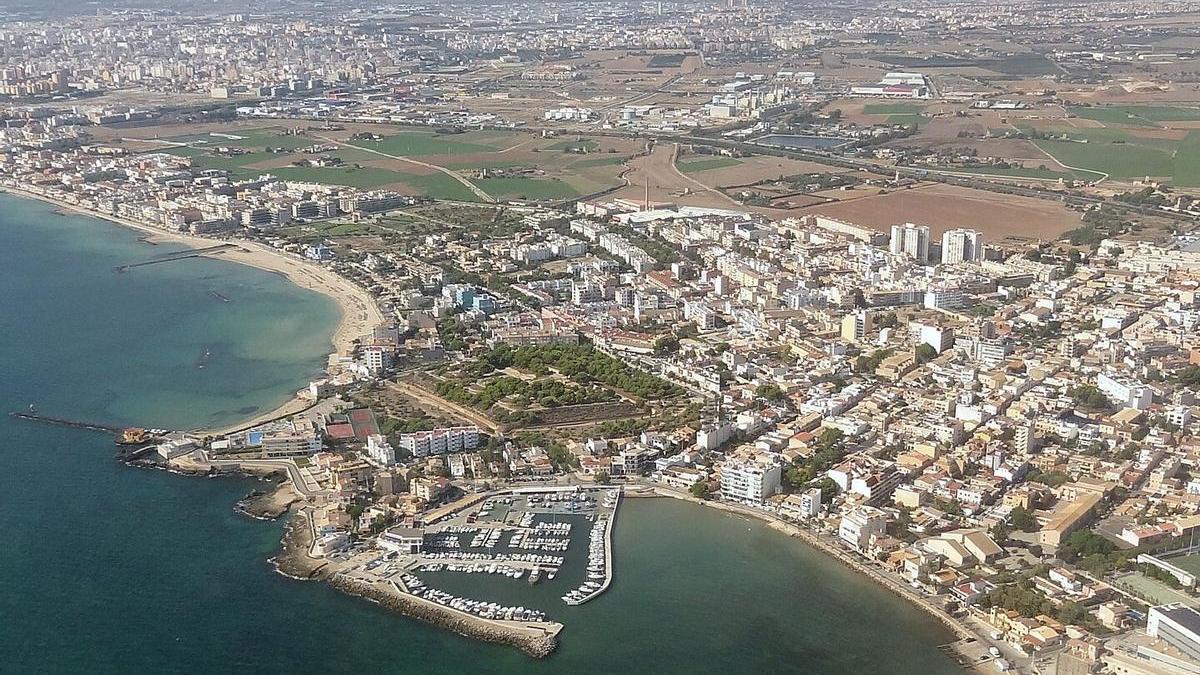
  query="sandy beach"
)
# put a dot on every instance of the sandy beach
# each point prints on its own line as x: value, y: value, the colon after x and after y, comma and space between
x: 359, y: 312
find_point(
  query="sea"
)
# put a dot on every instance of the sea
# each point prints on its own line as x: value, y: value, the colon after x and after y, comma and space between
x: 108, y: 568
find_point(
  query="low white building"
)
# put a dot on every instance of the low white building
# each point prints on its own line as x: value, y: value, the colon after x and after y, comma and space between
x: 402, y: 539
x: 801, y: 506
x: 176, y: 448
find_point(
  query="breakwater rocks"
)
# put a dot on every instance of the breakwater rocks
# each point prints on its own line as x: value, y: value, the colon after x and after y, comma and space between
x: 269, y: 504
x: 528, y: 640
x: 293, y: 560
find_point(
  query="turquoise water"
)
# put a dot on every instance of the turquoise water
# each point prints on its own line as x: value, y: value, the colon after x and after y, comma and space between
x: 111, y: 569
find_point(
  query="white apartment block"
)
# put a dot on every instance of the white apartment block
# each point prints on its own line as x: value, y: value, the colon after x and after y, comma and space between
x: 1125, y: 393
x: 439, y: 441
x: 380, y: 450
x: 911, y: 240
x: 962, y: 245
x: 858, y: 526
x: 749, y: 482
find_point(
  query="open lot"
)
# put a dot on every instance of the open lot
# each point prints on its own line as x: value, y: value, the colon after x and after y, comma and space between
x: 506, y: 165
x: 944, y: 207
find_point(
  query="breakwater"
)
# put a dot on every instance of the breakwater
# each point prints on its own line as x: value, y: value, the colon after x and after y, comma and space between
x: 537, y: 643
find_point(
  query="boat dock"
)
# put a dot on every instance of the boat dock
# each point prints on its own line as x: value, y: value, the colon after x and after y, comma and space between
x: 608, y: 558
x: 172, y: 257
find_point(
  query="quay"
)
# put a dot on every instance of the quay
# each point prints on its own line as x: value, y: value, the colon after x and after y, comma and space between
x: 172, y: 257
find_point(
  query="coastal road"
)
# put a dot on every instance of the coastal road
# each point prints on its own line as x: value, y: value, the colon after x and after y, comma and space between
x: 302, y: 485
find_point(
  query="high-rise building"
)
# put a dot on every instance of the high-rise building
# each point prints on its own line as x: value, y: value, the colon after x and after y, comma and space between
x: 911, y: 240
x: 962, y: 245
x: 857, y: 324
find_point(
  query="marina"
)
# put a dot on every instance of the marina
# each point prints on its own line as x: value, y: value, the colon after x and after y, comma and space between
x: 532, y: 536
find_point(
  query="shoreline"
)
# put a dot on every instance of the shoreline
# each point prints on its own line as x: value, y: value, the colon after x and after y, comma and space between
x: 358, y: 313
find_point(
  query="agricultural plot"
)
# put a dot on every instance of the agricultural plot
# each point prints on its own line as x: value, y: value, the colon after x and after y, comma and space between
x: 1017, y: 172
x: 1136, y: 115
x: 893, y: 109
x: 524, y: 166
x: 425, y: 143
x: 706, y: 164
x: 1127, y: 154
x: 581, y: 145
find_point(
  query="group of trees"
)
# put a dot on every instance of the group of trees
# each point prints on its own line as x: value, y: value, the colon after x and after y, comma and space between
x: 1147, y: 196
x: 666, y: 345
x: 561, y: 457
x: 452, y: 334
x: 1089, y: 397
x: 547, y: 393
x: 868, y: 364
x: 1098, y: 225
x: 1048, y: 478
x: 830, y: 447
x: 770, y: 392
x: 926, y: 353
x: 1189, y: 377
x: 397, y: 425
x: 581, y: 363
x: 1028, y: 601
x: 1095, y: 554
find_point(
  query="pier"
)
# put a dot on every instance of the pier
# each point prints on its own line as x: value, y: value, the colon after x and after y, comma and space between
x: 608, y: 556
x: 172, y: 257
x: 64, y: 422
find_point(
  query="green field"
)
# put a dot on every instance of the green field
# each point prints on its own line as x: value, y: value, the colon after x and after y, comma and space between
x: 1187, y: 563
x: 232, y: 164
x: 906, y: 119
x: 1158, y: 592
x: 1121, y: 153
x: 1136, y: 115
x: 435, y: 185
x: 528, y: 188
x: 266, y: 137
x: 426, y: 143
x: 1018, y: 172
x: 893, y: 109
x: 698, y: 165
